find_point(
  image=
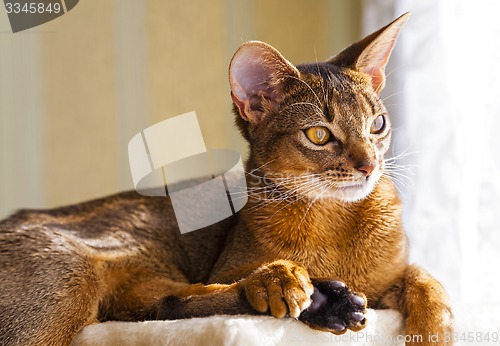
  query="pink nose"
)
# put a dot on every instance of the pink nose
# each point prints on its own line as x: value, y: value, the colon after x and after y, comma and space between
x: 366, y: 168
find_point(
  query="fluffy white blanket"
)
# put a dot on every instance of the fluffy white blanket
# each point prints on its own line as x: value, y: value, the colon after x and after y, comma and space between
x: 474, y: 325
x: 384, y: 327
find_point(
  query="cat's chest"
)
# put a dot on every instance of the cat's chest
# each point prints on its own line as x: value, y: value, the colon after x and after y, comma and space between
x: 329, y: 248
x: 361, y: 249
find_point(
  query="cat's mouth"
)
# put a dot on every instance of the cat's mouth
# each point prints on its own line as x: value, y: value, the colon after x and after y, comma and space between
x: 356, y: 191
x: 313, y: 186
x: 352, y: 187
x: 351, y: 191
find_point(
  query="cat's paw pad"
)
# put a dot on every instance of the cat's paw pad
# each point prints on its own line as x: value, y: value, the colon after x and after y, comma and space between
x: 335, y: 308
x: 280, y: 288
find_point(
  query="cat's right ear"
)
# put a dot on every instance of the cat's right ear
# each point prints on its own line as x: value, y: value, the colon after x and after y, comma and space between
x: 257, y: 74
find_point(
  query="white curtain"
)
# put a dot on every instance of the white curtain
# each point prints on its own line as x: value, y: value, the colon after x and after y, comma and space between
x: 443, y: 95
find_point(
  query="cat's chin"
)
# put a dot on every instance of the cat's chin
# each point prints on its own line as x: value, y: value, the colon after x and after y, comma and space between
x: 353, y: 193
x: 349, y: 193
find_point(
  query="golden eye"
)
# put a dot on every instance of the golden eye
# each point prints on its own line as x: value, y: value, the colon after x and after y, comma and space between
x: 318, y: 135
x: 378, y: 125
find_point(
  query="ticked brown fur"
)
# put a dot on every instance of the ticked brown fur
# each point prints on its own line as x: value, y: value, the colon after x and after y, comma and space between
x: 123, y: 258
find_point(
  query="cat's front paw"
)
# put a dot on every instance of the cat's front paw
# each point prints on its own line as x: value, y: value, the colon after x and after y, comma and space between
x: 280, y: 287
x: 335, y: 308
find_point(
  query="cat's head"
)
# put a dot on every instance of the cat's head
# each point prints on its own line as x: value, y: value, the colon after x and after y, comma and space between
x: 320, y: 128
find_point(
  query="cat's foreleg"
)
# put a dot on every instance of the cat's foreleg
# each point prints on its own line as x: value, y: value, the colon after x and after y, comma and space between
x: 425, y: 307
x: 278, y: 288
x: 281, y: 289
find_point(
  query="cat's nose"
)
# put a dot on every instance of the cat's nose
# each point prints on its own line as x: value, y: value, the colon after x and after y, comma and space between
x: 366, y: 167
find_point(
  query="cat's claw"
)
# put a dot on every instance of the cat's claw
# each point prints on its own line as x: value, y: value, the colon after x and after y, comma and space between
x: 334, y: 308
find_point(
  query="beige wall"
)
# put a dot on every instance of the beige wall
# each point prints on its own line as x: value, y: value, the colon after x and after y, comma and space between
x: 75, y: 90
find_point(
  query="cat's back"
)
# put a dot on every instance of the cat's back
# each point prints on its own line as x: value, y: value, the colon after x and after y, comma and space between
x: 120, y: 229
x: 92, y: 219
x: 111, y: 225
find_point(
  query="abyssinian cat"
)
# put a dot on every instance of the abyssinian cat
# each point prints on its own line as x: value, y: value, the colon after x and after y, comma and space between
x: 320, y: 209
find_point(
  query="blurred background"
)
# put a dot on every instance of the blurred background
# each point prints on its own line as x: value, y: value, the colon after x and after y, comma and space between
x: 75, y: 90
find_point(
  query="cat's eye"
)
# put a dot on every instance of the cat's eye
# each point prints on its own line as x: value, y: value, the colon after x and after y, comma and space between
x: 319, y: 135
x: 378, y: 125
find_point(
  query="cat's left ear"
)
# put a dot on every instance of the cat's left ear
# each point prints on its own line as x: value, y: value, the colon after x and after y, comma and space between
x: 371, y: 54
x: 257, y: 75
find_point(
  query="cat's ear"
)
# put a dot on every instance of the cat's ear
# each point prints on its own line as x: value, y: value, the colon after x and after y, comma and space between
x: 257, y: 74
x: 371, y: 54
